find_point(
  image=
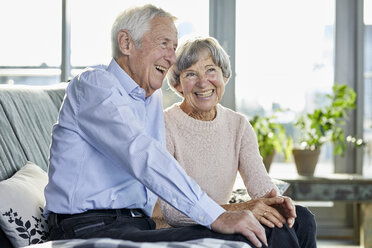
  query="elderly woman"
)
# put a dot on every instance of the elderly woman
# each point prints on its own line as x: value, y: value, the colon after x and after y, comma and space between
x: 213, y: 143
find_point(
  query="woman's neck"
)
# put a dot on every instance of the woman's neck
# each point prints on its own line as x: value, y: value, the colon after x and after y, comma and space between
x: 199, y: 115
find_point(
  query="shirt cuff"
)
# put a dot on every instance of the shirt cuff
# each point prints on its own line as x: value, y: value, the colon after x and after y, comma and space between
x: 206, y: 211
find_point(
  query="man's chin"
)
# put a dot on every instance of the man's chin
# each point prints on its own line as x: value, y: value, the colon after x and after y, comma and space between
x: 157, y: 85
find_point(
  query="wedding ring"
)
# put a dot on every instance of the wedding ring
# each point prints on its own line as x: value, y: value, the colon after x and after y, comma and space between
x: 264, y: 213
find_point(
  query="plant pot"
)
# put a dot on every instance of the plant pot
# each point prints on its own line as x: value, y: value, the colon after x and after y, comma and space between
x: 267, y: 160
x: 306, y: 161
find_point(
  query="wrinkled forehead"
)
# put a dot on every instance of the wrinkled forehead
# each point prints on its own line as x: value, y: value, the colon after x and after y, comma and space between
x: 163, y: 27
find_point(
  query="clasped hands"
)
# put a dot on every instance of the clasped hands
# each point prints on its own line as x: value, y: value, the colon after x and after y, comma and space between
x: 270, y: 210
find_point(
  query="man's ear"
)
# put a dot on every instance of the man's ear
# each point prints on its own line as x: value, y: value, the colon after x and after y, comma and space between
x: 125, y: 42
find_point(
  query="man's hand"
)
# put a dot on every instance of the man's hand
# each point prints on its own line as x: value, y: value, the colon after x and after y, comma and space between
x: 242, y: 222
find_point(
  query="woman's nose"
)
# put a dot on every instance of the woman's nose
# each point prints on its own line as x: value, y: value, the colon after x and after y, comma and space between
x: 203, y: 80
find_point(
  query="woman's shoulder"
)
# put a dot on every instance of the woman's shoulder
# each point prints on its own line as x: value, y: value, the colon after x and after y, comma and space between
x: 172, y: 111
x: 173, y: 115
x: 232, y: 116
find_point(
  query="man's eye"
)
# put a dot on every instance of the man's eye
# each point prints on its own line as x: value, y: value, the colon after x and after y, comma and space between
x: 164, y: 44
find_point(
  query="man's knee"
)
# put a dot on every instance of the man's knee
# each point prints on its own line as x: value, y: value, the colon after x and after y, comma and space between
x: 305, y: 218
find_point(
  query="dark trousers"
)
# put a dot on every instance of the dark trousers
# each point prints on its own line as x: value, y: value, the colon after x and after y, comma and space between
x: 101, y: 224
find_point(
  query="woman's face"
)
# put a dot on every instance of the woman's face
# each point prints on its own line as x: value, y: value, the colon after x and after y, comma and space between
x: 202, y: 85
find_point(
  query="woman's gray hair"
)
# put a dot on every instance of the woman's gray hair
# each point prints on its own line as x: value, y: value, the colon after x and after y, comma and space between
x: 136, y: 21
x: 188, y: 53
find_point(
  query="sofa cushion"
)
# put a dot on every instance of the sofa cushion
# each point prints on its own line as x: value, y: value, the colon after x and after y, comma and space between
x: 31, y: 112
x: 56, y: 93
x: 12, y: 156
x: 21, y: 214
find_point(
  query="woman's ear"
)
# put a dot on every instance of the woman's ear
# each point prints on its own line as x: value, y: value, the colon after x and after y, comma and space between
x: 179, y: 88
x: 225, y: 79
x: 124, y: 41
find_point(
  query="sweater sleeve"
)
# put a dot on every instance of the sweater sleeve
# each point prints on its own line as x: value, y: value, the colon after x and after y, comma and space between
x: 174, y: 217
x: 251, y: 167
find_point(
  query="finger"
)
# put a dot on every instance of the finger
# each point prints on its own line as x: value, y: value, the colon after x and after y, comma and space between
x: 276, y: 218
x: 273, y: 193
x: 291, y: 207
x: 270, y: 194
x: 273, y: 200
x: 266, y: 222
x: 252, y: 237
x: 259, y: 231
x: 291, y: 222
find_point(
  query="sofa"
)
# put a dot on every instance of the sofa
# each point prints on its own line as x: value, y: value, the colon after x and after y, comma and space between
x: 27, y: 114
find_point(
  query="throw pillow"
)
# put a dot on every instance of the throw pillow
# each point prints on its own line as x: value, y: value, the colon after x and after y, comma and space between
x: 21, y: 210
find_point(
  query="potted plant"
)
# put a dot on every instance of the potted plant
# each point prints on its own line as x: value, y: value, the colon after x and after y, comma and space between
x: 272, y: 138
x: 325, y: 124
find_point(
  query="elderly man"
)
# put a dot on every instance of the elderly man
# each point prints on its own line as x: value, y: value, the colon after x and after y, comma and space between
x: 108, y: 160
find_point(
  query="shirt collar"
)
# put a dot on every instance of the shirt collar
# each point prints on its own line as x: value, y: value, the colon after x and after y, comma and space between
x: 130, y: 86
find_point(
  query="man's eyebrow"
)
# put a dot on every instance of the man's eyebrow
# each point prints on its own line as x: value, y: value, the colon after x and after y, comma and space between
x: 169, y: 40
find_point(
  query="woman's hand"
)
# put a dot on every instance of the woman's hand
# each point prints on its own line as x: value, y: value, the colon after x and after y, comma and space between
x: 270, y: 210
x: 287, y: 208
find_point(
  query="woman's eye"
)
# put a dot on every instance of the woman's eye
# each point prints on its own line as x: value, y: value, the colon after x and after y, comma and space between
x: 190, y: 74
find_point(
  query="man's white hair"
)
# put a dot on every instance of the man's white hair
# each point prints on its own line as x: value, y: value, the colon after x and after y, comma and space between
x: 136, y: 21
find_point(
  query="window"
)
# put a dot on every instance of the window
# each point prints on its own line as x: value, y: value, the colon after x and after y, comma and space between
x: 90, y: 36
x: 30, y: 44
x: 367, y: 163
x: 284, y: 59
x: 91, y: 22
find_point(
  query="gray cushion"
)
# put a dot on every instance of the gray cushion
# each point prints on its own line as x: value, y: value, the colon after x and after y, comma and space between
x: 12, y: 156
x: 27, y: 115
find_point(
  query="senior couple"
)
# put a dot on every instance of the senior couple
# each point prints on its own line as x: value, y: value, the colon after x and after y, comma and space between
x: 114, y: 152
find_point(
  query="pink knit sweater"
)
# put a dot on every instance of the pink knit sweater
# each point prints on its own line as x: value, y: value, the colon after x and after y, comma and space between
x: 212, y: 152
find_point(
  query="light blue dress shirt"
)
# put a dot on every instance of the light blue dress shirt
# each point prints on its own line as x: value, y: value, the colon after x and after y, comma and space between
x: 108, y: 151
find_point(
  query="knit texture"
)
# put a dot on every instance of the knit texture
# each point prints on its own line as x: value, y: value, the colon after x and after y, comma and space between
x: 212, y: 153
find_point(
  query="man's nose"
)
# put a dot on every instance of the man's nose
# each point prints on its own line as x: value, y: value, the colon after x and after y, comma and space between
x: 171, y: 56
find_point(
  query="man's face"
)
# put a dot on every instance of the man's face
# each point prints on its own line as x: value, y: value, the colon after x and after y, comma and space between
x: 149, y: 64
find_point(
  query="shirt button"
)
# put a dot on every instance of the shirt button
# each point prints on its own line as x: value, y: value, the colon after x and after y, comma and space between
x: 174, y: 200
x: 201, y: 218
